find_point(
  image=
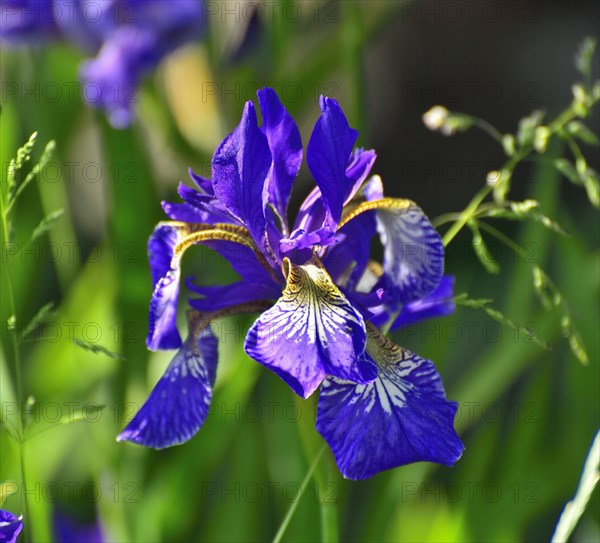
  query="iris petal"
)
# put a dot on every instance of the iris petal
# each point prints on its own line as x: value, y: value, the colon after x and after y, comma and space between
x: 10, y: 526
x: 286, y: 148
x: 311, y: 332
x: 166, y: 247
x: 413, y: 261
x: 240, y: 167
x: 401, y: 417
x: 178, y: 405
x: 439, y: 303
x: 327, y: 155
x: 217, y: 297
x: 162, y: 325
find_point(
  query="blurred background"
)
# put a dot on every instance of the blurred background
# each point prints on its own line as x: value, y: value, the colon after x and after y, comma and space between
x: 527, y: 416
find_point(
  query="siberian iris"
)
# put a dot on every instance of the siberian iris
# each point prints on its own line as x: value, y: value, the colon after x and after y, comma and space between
x: 319, y: 294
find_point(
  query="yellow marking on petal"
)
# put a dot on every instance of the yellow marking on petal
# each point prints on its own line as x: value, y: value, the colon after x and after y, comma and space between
x: 212, y: 235
x: 382, y: 349
x: 388, y: 204
x: 309, y: 287
x: 193, y: 233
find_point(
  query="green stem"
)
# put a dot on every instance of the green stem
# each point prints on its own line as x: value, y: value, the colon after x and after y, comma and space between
x: 487, y: 128
x: 18, y: 378
x: 465, y: 215
x: 290, y: 513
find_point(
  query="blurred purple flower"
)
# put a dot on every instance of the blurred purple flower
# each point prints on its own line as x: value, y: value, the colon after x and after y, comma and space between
x: 10, y: 526
x: 69, y: 530
x: 128, y: 38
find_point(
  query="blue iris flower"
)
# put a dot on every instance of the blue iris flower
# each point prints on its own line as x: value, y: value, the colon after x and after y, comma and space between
x: 128, y: 38
x: 319, y: 294
x: 10, y: 526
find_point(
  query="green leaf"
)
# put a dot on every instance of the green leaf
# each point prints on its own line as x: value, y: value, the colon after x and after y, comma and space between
x: 481, y: 249
x: 578, y: 130
x: 47, y: 223
x: 575, y: 508
x: 45, y: 313
x: 97, y: 349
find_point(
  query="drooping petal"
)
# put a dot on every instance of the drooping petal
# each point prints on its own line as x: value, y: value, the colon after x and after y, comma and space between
x: 327, y: 155
x: 166, y: 248
x: 217, y: 297
x: 10, y: 526
x: 240, y: 167
x: 286, y: 149
x: 413, y: 261
x: 311, y: 332
x: 162, y: 318
x: 178, y: 405
x: 401, y: 417
x: 439, y: 303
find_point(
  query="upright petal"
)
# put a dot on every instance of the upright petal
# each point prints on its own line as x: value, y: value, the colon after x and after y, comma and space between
x: 286, y: 150
x: 178, y: 405
x: 311, y: 332
x: 240, y: 168
x: 413, y: 260
x: 327, y: 155
x: 401, y: 417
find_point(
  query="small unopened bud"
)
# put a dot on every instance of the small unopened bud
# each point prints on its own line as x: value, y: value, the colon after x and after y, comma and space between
x: 580, y: 100
x: 508, y: 142
x: 493, y: 177
x: 436, y: 117
x: 540, y: 139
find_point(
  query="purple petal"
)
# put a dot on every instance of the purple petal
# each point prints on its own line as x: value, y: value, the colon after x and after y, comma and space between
x: 347, y: 261
x: 68, y: 529
x: 162, y: 326
x: 358, y: 168
x: 311, y: 332
x: 328, y: 153
x: 178, y: 405
x: 240, y: 167
x: 26, y: 22
x: 10, y: 526
x: 413, y: 260
x: 401, y: 417
x: 286, y: 149
x: 439, y: 303
x: 221, y: 296
x: 205, y: 185
x: 183, y: 212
